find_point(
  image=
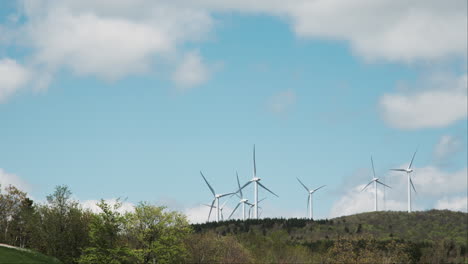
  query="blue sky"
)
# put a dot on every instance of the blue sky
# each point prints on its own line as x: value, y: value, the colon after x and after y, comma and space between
x: 114, y: 104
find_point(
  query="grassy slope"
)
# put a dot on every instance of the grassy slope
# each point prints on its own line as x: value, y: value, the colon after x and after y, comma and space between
x: 13, y: 256
x: 417, y: 227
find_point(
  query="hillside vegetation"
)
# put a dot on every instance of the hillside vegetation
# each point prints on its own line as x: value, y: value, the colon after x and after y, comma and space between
x: 150, y: 234
x: 436, y: 236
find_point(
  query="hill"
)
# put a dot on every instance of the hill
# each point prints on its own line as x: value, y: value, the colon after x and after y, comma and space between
x: 424, y: 236
x: 12, y: 255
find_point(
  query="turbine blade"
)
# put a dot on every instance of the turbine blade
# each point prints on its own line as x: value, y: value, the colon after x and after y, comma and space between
x: 307, y: 189
x: 222, y: 206
x: 366, y: 185
x: 255, y: 165
x: 411, y: 163
x: 383, y: 184
x: 319, y: 188
x: 250, y: 208
x: 263, y: 186
x: 245, y: 185
x: 261, y: 200
x: 398, y: 170
x: 412, y: 185
x: 226, y: 194
x: 208, y: 205
x: 211, y: 188
x: 238, y: 185
x: 308, y: 202
x: 234, y: 210
x: 211, y: 208
x: 372, y: 161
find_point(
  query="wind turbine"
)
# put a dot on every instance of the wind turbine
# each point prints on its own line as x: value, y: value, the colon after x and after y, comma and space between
x: 216, y: 199
x: 309, y: 198
x: 408, y: 171
x: 241, y: 201
x: 374, y: 180
x: 252, y: 205
x: 256, y: 182
x: 220, y: 209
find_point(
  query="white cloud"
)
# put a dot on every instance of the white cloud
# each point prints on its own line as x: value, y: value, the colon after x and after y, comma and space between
x: 12, y: 179
x: 436, y: 107
x: 446, y: 147
x: 92, y: 205
x: 191, y: 71
x: 454, y: 204
x: 432, y: 181
x: 282, y: 102
x: 108, y: 39
x: 13, y: 76
x: 391, y: 30
x: 354, y: 201
x: 376, y: 29
x: 112, y: 39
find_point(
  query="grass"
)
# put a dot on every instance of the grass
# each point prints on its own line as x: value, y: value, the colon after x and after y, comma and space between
x: 14, y: 256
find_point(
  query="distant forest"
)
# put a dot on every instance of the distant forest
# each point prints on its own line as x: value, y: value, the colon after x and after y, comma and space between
x: 61, y: 228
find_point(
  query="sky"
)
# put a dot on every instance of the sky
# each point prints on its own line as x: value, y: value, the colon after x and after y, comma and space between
x: 132, y: 99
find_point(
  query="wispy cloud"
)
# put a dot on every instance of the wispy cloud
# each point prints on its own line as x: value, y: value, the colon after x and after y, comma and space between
x: 446, y: 148
x: 191, y: 72
x: 433, y: 107
x: 12, y: 179
x: 282, y: 102
x: 459, y: 203
x: 13, y: 76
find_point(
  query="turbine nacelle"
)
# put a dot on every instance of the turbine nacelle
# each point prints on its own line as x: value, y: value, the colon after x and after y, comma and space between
x: 255, y: 179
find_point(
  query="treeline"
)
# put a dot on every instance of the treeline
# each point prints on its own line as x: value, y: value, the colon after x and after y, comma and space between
x: 61, y: 228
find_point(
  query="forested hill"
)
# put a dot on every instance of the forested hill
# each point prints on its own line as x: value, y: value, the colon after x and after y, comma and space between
x: 425, y: 226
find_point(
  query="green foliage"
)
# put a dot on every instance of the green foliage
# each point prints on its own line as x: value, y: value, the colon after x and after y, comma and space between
x: 62, y: 230
x: 158, y: 235
x: 211, y: 248
x: 105, y: 232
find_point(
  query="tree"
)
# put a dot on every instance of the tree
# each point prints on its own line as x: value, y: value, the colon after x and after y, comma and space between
x: 63, y: 226
x: 10, y: 207
x: 106, y: 243
x: 158, y: 235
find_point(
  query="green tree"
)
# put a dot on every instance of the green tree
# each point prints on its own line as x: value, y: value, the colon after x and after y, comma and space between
x: 158, y: 235
x: 106, y: 243
x: 63, y: 226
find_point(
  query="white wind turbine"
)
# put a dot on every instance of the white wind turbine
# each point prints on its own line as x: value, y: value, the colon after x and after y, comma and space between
x: 408, y: 171
x: 252, y: 205
x: 242, y: 200
x: 309, y: 198
x: 375, y: 180
x: 256, y: 182
x: 216, y: 199
x: 220, y: 209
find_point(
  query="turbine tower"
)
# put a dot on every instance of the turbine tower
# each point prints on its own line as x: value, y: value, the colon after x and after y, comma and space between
x: 216, y: 199
x: 408, y: 171
x: 309, y: 197
x: 241, y: 201
x: 257, y: 183
x: 375, y: 180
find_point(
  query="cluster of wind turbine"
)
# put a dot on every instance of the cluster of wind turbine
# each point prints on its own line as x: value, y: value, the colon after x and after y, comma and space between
x: 309, y: 197
x: 408, y: 171
x: 376, y: 181
x: 242, y: 200
x: 216, y: 199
